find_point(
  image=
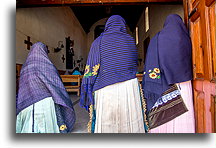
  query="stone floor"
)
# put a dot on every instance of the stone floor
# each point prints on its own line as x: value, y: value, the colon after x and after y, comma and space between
x: 82, y: 116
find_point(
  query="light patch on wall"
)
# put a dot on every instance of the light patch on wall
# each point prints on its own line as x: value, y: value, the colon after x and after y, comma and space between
x: 146, y: 19
x: 137, y: 35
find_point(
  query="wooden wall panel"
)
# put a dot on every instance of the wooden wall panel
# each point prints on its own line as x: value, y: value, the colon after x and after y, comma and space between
x: 212, y: 32
x: 202, y: 29
x: 201, y: 114
x: 198, y: 65
x: 26, y: 3
x: 213, y: 115
x: 193, y: 2
x: 199, y: 106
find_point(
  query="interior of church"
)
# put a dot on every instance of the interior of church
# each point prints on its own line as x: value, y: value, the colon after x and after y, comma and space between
x: 72, y: 29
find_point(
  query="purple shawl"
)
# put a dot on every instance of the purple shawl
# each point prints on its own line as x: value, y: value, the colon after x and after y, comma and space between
x: 112, y: 59
x: 40, y: 79
x: 168, y: 59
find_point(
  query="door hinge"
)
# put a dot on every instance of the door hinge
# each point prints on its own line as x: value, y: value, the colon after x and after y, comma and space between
x: 192, y: 13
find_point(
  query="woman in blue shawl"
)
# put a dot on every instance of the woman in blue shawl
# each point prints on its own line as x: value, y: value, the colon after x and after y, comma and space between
x: 110, y: 89
x: 167, y: 79
x: 42, y: 105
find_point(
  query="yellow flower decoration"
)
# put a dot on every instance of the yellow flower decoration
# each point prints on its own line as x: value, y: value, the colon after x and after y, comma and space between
x: 95, y: 69
x: 89, y: 125
x: 153, y: 75
x: 63, y: 127
x: 144, y: 73
x: 157, y: 70
x: 87, y: 69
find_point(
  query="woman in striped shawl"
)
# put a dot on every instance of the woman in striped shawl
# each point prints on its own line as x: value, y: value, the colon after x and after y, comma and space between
x: 42, y: 105
x: 110, y: 89
x: 167, y: 79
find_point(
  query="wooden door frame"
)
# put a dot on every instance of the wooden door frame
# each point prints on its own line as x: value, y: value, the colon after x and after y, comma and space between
x: 53, y: 3
x: 36, y: 3
x: 186, y: 12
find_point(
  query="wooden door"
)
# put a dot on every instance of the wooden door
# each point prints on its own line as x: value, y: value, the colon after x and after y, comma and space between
x: 201, y: 23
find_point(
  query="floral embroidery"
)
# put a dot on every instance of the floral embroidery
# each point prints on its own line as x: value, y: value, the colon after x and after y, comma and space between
x: 63, y: 127
x: 95, y: 69
x: 87, y: 69
x: 89, y: 125
x: 156, y: 70
x: 155, y: 74
x: 144, y: 108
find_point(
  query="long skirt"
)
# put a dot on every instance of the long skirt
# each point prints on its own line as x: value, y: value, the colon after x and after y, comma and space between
x: 184, y: 123
x: 38, y: 118
x: 118, y: 108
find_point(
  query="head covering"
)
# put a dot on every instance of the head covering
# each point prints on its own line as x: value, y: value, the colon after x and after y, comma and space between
x: 168, y: 60
x: 112, y: 59
x: 39, y: 79
x: 175, y: 50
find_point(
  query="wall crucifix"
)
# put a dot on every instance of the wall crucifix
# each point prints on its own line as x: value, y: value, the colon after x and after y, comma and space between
x: 63, y: 58
x: 69, y: 53
x: 29, y: 44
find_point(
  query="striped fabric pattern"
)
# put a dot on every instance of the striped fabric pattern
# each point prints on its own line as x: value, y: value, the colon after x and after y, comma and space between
x: 39, y: 79
x: 115, y: 50
x: 118, y: 59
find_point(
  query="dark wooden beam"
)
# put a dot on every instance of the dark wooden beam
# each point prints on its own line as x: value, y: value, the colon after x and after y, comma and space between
x: 37, y: 3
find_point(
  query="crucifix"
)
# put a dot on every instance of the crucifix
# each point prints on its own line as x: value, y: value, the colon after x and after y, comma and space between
x: 63, y: 58
x: 29, y: 44
x: 69, y: 53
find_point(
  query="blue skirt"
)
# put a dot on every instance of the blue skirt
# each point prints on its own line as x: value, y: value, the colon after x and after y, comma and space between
x: 38, y: 118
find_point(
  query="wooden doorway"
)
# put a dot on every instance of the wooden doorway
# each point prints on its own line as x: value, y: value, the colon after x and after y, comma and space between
x: 201, y: 22
x: 98, y: 30
x: 200, y: 18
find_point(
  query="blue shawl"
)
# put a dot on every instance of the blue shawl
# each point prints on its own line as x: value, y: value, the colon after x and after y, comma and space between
x: 168, y: 60
x: 112, y: 59
x: 39, y: 79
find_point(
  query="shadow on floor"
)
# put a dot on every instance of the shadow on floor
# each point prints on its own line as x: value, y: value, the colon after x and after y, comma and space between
x: 82, y: 116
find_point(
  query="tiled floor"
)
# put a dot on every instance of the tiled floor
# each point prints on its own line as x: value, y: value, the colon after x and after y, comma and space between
x: 82, y: 116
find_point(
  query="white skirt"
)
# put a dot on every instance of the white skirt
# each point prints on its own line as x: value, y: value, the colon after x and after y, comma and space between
x: 118, y: 108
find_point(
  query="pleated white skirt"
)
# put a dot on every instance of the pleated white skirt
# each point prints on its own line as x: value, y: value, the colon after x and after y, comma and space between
x: 118, y: 108
x: 185, y: 123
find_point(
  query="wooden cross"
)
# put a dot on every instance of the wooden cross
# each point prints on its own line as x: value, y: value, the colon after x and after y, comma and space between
x: 63, y: 58
x: 29, y: 44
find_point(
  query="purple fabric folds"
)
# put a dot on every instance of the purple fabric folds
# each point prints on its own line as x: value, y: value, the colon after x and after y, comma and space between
x: 174, y: 46
x: 112, y: 58
x: 168, y: 59
x: 89, y: 79
x: 40, y: 79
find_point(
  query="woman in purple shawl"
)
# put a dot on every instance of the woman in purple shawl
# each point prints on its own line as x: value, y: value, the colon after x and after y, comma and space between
x: 167, y: 79
x: 110, y: 89
x: 42, y: 105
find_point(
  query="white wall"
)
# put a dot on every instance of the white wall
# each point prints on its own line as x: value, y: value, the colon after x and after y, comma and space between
x: 157, y: 16
x: 52, y: 24
x: 49, y: 25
